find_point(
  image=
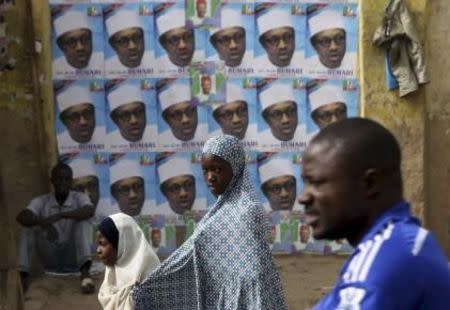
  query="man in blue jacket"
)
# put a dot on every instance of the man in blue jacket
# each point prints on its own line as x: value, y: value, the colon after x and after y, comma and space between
x: 353, y: 189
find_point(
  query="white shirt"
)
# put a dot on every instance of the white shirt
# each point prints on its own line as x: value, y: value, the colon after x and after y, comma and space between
x: 114, y: 68
x: 348, y: 66
x: 148, y: 141
x: 168, y: 142
x: 97, y: 142
x: 63, y: 70
x: 265, y: 67
x: 46, y: 205
x: 197, y: 21
x: 202, y: 97
x: 267, y: 141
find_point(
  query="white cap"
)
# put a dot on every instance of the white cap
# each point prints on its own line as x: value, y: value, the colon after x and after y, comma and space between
x: 325, y: 95
x: 233, y: 93
x: 274, y: 18
x: 171, y: 19
x: 69, y: 21
x: 229, y: 17
x: 122, y: 19
x: 175, y: 93
x: 124, y: 94
x: 275, y: 167
x: 274, y: 93
x: 124, y: 169
x: 82, y: 167
x: 174, y: 167
x: 72, y: 96
x: 327, y: 19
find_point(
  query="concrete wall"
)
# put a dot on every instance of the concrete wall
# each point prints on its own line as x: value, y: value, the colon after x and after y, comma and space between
x: 404, y: 117
x: 22, y: 158
x: 437, y: 122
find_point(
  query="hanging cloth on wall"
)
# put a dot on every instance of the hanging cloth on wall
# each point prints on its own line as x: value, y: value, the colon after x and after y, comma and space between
x: 405, y: 56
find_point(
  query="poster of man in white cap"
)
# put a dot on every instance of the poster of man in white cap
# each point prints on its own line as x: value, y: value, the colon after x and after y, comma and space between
x: 132, y: 115
x: 132, y: 182
x: 330, y: 101
x: 161, y: 238
x: 280, y: 39
x: 80, y: 115
x: 280, y: 232
x: 77, y: 41
x: 231, y: 43
x: 282, y: 114
x: 207, y: 83
x: 177, y: 45
x: 182, y: 124
x: 181, y: 185
x: 331, y: 48
x: 91, y: 176
x: 237, y: 114
x: 279, y: 180
x: 201, y: 13
x: 129, y: 40
x: 305, y: 243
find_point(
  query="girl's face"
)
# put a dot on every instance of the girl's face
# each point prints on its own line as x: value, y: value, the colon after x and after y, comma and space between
x: 217, y: 173
x: 105, y: 250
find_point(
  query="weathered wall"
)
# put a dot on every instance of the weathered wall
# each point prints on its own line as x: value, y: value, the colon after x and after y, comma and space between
x: 437, y: 123
x: 22, y: 161
x: 405, y: 117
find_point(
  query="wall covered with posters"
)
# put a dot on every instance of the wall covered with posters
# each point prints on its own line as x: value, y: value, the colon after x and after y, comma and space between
x: 141, y: 85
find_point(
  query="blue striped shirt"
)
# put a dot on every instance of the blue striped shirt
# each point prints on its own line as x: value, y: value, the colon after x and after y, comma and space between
x: 397, y: 265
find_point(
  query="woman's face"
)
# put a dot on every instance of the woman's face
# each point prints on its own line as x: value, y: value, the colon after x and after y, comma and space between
x: 105, y: 250
x: 217, y: 173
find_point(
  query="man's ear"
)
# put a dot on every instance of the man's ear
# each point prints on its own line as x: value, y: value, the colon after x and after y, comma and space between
x: 372, y: 179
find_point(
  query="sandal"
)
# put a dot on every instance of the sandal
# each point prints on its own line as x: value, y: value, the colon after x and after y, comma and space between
x: 87, y: 285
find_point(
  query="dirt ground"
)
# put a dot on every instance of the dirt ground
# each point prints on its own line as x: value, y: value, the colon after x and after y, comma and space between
x: 306, y: 279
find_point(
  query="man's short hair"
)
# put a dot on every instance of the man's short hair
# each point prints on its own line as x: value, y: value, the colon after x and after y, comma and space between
x: 61, y: 166
x: 362, y: 143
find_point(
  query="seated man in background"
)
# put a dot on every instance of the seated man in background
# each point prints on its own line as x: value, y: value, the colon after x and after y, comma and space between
x: 353, y: 189
x: 57, y: 226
